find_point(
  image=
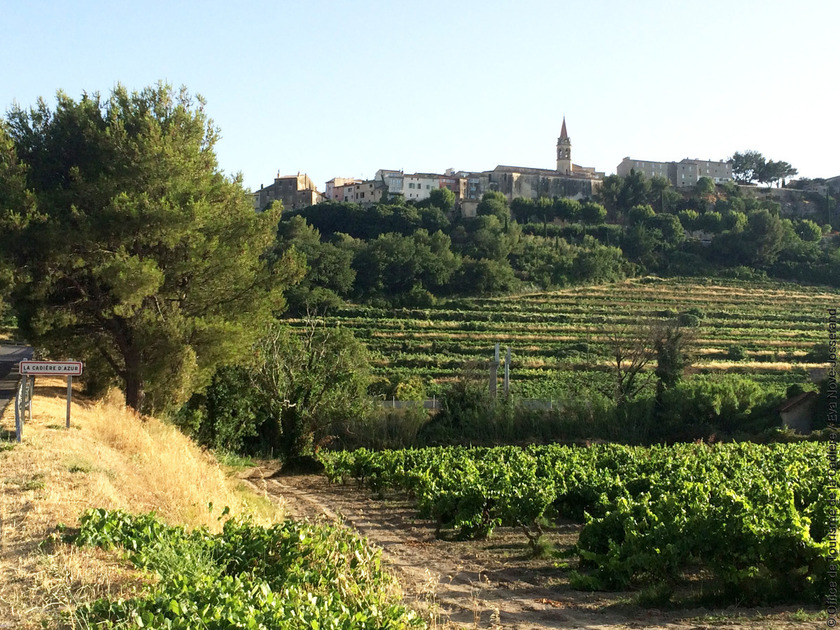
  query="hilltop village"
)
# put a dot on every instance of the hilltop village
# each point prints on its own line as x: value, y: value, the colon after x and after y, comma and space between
x: 566, y: 180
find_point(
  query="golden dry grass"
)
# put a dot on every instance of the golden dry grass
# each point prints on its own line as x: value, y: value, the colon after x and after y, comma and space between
x: 109, y: 458
x: 764, y: 366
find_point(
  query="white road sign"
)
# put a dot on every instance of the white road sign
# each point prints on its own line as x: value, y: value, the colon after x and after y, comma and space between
x: 54, y: 368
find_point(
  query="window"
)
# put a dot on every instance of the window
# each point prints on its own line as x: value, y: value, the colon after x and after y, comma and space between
x: 411, y: 185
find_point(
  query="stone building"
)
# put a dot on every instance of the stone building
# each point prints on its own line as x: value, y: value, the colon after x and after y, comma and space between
x: 365, y: 192
x: 566, y: 180
x: 293, y: 191
x: 340, y: 188
x: 455, y: 182
x: 391, y: 179
x: 418, y: 186
x: 798, y: 412
x: 682, y: 174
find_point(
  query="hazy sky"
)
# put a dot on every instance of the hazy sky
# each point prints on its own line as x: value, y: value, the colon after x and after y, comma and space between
x: 344, y: 88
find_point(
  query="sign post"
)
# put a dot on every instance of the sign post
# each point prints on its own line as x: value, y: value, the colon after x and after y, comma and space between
x: 69, y: 395
x: 53, y: 368
x: 507, y: 372
x: 18, y: 418
x: 30, y: 383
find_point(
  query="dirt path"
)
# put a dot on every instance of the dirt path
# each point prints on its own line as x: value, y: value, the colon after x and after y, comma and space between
x: 493, y: 583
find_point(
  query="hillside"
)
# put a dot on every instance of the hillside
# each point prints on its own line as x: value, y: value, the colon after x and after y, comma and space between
x: 561, y: 339
x: 109, y: 458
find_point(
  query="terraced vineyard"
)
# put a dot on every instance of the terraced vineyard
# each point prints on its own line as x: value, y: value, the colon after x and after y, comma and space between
x: 558, y: 339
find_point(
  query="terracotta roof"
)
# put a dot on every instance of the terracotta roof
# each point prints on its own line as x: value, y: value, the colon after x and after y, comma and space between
x: 523, y: 170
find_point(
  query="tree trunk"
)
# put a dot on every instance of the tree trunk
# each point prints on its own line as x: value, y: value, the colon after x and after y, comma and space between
x: 292, y: 433
x: 133, y: 382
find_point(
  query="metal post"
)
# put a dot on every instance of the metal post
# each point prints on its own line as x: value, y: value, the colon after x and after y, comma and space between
x: 18, y: 420
x: 507, y: 372
x: 30, y: 393
x: 69, y: 394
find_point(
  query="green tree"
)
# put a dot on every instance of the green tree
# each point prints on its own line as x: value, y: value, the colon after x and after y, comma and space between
x: 131, y: 245
x: 493, y: 204
x: 773, y: 171
x: 597, y: 263
x: 544, y: 207
x: 567, y: 210
x: 442, y: 198
x: 631, y: 350
x: 329, y: 271
x: 309, y: 380
x: 609, y: 193
x: 735, y: 221
x: 544, y: 262
x: 227, y: 415
x: 640, y: 214
x: 635, y: 191
x: 763, y: 238
x: 746, y: 166
x: 433, y: 219
x: 662, y: 195
x: 808, y: 230
x: 437, y: 262
x: 643, y: 245
x: 672, y: 358
x: 392, y: 265
x: 705, y: 186
x: 487, y: 237
x: 711, y: 221
x: 689, y: 219
x: 670, y: 227
x: 485, y: 277
x: 592, y: 213
x: 522, y: 209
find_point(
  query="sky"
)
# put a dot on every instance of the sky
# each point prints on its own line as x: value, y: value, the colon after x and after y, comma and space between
x: 341, y: 89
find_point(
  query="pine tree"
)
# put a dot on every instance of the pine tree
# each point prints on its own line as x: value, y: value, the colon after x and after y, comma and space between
x: 132, y: 250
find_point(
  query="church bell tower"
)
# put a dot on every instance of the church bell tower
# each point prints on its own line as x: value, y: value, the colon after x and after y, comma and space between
x: 564, y: 151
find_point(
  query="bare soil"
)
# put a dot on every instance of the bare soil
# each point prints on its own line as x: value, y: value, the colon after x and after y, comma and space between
x: 493, y: 583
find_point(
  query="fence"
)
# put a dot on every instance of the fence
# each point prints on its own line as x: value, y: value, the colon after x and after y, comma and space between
x: 535, y: 404
x: 429, y: 403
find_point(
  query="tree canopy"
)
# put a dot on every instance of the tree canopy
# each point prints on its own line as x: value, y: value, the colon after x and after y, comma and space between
x: 131, y: 249
x: 751, y: 166
x: 746, y: 166
x: 309, y: 379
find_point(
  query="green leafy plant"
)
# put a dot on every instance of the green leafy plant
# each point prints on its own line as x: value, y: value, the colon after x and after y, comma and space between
x: 290, y: 575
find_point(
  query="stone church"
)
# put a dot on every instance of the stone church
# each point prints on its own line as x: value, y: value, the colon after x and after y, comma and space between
x: 567, y: 180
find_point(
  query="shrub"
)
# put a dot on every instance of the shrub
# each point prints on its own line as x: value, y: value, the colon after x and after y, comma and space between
x: 736, y: 353
x: 820, y: 353
x: 688, y: 319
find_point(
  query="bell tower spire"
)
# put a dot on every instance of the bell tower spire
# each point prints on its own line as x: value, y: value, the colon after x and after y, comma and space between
x: 564, y: 151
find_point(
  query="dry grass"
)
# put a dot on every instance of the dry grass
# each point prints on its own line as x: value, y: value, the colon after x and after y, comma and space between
x: 109, y: 458
x: 764, y: 366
